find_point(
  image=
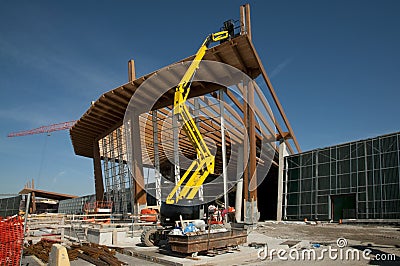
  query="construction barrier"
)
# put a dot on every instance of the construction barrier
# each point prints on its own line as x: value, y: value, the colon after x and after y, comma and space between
x: 11, y: 239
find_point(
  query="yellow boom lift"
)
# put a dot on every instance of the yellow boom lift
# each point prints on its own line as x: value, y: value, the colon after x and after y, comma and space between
x: 204, y: 164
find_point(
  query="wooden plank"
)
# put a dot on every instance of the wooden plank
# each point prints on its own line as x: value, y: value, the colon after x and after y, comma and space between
x: 131, y: 70
x: 98, y: 177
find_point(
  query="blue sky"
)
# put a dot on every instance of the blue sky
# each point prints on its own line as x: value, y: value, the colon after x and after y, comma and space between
x: 334, y: 64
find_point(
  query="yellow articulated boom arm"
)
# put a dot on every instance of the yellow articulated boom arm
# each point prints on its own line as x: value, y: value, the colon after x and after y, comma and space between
x: 204, y: 164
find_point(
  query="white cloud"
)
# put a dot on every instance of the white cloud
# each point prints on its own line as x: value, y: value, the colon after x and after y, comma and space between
x: 280, y: 67
x: 60, y: 174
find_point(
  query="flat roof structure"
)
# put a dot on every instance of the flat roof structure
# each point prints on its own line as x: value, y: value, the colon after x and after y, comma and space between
x: 47, y: 194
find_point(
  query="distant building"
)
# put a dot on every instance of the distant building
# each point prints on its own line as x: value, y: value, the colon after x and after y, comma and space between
x: 10, y: 206
x: 356, y: 180
x: 76, y: 205
x: 13, y: 205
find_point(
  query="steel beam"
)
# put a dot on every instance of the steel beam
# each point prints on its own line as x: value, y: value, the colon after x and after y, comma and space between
x: 175, y: 136
x: 156, y: 157
x: 223, y: 146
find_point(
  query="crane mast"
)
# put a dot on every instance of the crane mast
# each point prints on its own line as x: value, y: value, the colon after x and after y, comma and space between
x: 204, y: 164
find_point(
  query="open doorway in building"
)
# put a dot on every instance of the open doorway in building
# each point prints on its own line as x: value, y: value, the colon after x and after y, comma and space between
x: 343, y: 206
x: 267, y: 194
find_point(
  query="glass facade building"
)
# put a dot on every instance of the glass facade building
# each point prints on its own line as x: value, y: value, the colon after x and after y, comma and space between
x: 10, y: 206
x: 359, y: 180
x: 76, y: 205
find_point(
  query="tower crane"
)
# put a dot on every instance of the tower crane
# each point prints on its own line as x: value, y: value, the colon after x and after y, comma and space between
x: 43, y: 129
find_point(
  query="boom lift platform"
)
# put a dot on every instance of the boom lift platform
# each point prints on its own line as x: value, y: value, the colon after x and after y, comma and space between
x: 201, y: 167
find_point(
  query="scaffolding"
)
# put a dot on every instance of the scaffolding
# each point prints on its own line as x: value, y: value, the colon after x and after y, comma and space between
x: 166, y: 151
x: 116, y: 173
x: 359, y: 179
x: 76, y: 205
x: 169, y: 147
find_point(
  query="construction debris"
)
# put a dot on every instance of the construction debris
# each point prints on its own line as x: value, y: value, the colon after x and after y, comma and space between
x: 93, y: 253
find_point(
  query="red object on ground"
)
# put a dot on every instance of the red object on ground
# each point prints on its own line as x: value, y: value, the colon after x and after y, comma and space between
x: 11, y: 238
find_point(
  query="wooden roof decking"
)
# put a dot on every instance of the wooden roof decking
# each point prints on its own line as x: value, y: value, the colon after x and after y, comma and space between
x: 107, y: 113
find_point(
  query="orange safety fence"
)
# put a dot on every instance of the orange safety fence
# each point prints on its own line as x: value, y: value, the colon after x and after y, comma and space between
x: 11, y: 238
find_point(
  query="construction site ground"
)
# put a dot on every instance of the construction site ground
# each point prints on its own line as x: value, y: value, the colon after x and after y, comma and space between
x: 287, y: 236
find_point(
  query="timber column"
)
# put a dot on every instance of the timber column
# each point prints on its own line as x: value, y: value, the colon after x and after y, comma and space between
x: 98, y: 177
x: 251, y: 214
x: 139, y: 197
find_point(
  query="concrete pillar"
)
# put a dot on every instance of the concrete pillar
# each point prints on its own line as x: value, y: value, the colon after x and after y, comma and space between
x: 62, y: 233
x: 115, y: 237
x: 239, y: 185
x: 282, y: 154
x: 238, y: 201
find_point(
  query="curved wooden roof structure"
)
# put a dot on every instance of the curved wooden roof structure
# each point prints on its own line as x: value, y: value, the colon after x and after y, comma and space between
x: 107, y: 113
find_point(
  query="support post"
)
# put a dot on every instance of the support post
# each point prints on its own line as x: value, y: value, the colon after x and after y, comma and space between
x: 238, y: 200
x: 131, y: 70
x: 242, y: 21
x: 245, y: 25
x: 121, y: 171
x: 281, y: 173
x: 245, y: 155
x: 250, y: 177
x: 27, y: 201
x: 247, y: 18
x: 98, y: 177
x: 137, y: 164
x: 196, y: 113
x: 175, y: 136
x: 239, y: 185
x: 33, y: 198
x: 253, y: 151
x: 156, y: 157
x: 223, y: 144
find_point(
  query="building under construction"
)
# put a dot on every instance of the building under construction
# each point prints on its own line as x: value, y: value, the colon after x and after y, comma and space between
x: 245, y: 145
x: 141, y: 152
